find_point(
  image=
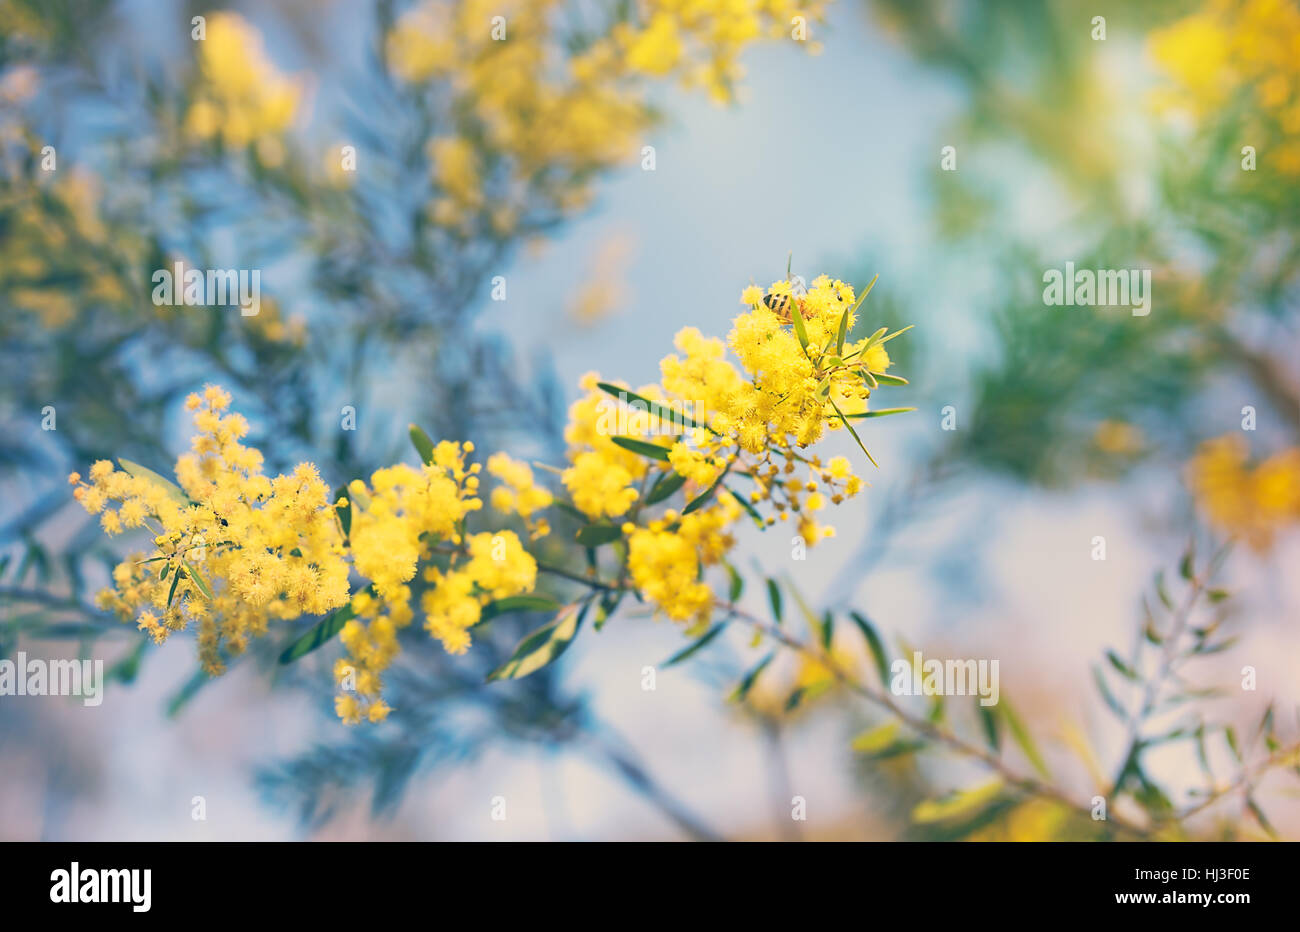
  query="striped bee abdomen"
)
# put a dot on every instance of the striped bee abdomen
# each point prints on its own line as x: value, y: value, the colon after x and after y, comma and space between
x: 777, y: 303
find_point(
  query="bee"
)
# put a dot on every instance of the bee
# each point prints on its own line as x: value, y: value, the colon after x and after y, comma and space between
x: 778, y: 304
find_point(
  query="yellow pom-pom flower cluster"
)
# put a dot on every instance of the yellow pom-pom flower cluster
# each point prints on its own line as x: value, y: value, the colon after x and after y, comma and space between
x: 235, y: 549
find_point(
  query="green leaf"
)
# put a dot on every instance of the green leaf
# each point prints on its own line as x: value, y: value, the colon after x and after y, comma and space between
x: 343, y: 505
x: 186, y: 693
x: 171, y: 593
x: 866, y: 291
x: 517, y: 603
x: 853, y: 432
x: 141, y: 472
x: 198, y: 580
x: 1023, y: 739
x: 653, y: 407
x: 543, y: 646
x: 594, y: 535
x: 128, y: 668
x: 322, y: 632
x: 1107, y: 696
x: 885, y: 379
x: 700, y: 642
x: 665, y: 486
x: 737, y: 584
x: 1163, y: 592
x: 1124, y: 669
x: 423, y: 445
x: 899, y: 332
x: 989, y: 722
x: 774, y: 597
x: 1230, y: 734
x: 800, y: 328
x: 652, y: 450
x: 747, y: 682
x: 958, y: 804
x: 874, y: 642
x: 883, y: 412
x: 702, y: 499
x: 875, y: 740
x: 1262, y: 819
x: 842, y: 333
x: 1185, y: 567
x: 748, y: 506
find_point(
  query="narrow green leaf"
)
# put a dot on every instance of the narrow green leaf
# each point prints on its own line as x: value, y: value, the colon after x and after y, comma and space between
x: 1023, y: 739
x: 737, y: 584
x: 1230, y: 734
x: 1163, y: 592
x: 343, y: 505
x: 660, y: 411
x: 747, y: 682
x: 699, y: 643
x: 1124, y: 669
x: 198, y: 580
x: 423, y: 445
x: 874, y: 642
x: 652, y: 450
x: 846, y: 423
x: 322, y: 632
x: 875, y: 740
x: 143, y: 472
x: 774, y: 597
x: 1262, y: 819
x: 958, y: 804
x: 702, y: 499
x: 186, y: 693
x: 543, y: 646
x: 665, y: 486
x: 1107, y: 696
x: 800, y: 328
x: 517, y: 603
x: 842, y: 333
x: 882, y: 412
x: 866, y: 291
x: 899, y: 332
x: 749, y: 508
x: 886, y: 379
x: 171, y: 593
x: 594, y: 535
x: 989, y: 723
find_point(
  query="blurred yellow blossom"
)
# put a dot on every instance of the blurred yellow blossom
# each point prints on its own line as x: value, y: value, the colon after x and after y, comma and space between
x: 241, y: 98
x: 1255, y: 502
